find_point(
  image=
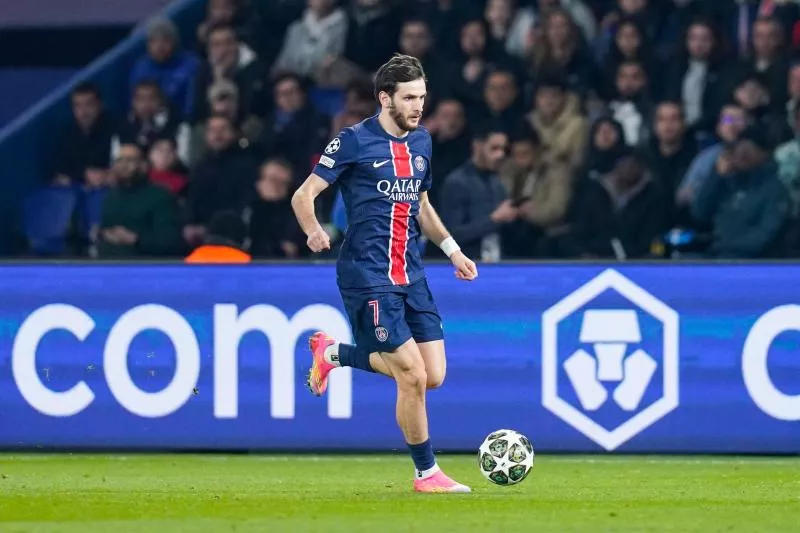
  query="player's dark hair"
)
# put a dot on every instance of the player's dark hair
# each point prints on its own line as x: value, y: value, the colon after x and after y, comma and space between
x: 87, y: 87
x: 399, y: 69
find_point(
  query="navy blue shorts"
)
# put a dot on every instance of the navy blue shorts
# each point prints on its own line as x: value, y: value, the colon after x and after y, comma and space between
x: 383, y: 318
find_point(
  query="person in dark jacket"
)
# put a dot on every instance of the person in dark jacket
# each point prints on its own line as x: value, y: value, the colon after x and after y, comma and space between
x: 274, y: 232
x: 151, y: 118
x: 295, y: 130
x: 222, y: 180
x: 745, y: 202
x: 139, y: 218
x: 670, y: 153
x: 229, y: 58
x: 451, y: 143
x: 475, y: 204
x: 620, y: 214
x: 84, y: 150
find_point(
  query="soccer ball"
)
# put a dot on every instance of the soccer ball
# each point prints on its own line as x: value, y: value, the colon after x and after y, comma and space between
x: 506, y: 457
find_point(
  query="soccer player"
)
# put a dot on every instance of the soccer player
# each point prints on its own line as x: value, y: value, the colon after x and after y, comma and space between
x: 383, y: 166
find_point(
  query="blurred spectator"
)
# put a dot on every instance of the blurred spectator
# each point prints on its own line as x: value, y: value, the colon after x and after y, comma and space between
x: 793, y: 88
x: 225, y: 242
x: 769, y: 60
x: 754, y: 96
x: 416, y: 41
x: 475, y: 204
x: 451, y: 143
x: 629, y: 44
x: 359, y: 103
x: 231, y: 60
x: 165, y: 63
x: 737, y: 20
x: 787, y: 156
x: 320, y: 33
x: 745, y: 202
x: 733, y: 120
x: 559, y: 124
x: 84, y: 150
x: 670, y: 152
x: 444, y: 18
x: 222, y: 180
x: 223, y: 99
x: 295, y: 130
x: 541, y: 190
x: 578, y: 11
x: 166, y: 168
x: 559, y: 48
x: 501, y: 101
x: 695, y: 76
x: 248, y: 23
x: 631, y: 104
x: 468, y: 74
x: 372, y: 33
x: 274, y: 232
x: 139, y: 219
x: 644, y: 12
x: 606, y: 148
x: 621, y: 214
x: 151, y: 118
x: 509, y: 25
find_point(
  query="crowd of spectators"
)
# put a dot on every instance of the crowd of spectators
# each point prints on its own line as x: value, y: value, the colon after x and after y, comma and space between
x: 561, y: 128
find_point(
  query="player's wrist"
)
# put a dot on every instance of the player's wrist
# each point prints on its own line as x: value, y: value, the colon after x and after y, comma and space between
x: 449, y: 246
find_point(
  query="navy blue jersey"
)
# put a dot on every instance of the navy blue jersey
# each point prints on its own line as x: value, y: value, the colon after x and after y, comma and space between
x: 381, y: 178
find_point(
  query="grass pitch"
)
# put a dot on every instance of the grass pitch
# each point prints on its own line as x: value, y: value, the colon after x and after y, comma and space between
x: 354, y: 494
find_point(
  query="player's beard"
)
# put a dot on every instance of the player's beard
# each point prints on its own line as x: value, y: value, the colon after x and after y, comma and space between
x: 399, y: 119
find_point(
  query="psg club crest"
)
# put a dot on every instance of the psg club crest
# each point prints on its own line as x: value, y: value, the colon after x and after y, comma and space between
x: 381, y: 334
x: 419, y: 162
x: 333, y: 146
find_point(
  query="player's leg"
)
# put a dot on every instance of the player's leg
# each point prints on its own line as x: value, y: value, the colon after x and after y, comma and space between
x: 425, y: 323
x: 408, y: 370
x: 371, y: 315
x: 435, y: 362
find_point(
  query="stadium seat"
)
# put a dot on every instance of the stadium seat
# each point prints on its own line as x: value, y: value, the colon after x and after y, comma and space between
x: 47, y: 215
x: 91, y: 210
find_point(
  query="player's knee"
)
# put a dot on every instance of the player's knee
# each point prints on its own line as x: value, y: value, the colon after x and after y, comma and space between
x: 413, y: 379
x: 435, y: 378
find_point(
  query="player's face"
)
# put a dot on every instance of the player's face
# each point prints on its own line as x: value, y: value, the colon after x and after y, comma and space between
x: 406, y: 105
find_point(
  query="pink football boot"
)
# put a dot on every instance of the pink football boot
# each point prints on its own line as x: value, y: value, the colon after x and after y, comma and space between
x: 439, y: 483
x: 320, y: 368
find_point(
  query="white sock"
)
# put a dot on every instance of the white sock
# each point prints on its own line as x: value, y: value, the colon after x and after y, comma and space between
x: 425, y: 474
x: 332, y: 354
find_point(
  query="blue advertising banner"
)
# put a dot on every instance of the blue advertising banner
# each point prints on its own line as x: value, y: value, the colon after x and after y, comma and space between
x: 634, y: 358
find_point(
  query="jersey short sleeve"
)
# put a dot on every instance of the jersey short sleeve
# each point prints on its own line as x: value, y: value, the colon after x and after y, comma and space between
x: 340, y: 155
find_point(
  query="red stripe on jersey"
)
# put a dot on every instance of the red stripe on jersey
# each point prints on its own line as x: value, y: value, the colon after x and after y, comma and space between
x: 401, y: 159
x: 398, y: 243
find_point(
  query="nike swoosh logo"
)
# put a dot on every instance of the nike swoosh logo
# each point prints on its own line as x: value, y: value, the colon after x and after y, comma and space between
x: 375, y: 164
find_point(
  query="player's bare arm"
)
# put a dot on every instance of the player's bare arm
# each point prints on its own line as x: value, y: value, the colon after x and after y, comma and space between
x: 433, y: 228
x: 303, y: 206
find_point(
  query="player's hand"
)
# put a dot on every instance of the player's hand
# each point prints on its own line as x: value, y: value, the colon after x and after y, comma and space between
x: 465, y: 267
x: 319, y: 240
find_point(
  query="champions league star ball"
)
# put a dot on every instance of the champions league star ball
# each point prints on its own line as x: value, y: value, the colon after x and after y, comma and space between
x: 506, y: 457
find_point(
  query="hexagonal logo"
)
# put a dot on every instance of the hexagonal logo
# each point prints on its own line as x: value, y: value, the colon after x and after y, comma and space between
x: 610, y: 359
